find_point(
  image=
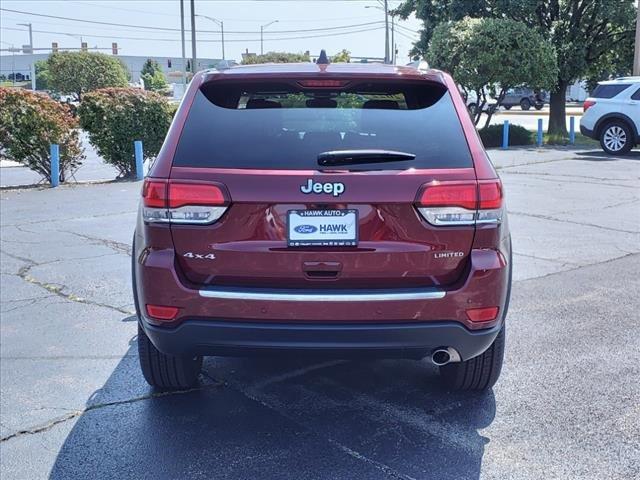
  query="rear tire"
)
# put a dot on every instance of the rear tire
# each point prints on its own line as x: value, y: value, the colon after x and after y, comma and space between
x: 478, y: 373
x: 616, y: 138
x: 166, y: 372
x: 507, y: 107
x: 525, y: 104
x: 161, y: 371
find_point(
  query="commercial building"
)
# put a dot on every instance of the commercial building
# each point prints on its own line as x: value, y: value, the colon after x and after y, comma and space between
x: 18, y: 65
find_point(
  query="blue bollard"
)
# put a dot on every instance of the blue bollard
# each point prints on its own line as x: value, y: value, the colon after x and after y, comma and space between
x: 539, y: 132
x: 572, y: 130
x: 55, y: 165
x: 505, y: 135
x: 139, y: 159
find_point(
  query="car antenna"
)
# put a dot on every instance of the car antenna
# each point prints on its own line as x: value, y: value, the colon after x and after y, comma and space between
x: 323, y: 59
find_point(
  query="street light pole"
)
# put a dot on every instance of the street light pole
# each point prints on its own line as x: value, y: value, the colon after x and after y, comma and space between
x: 193, y: 38
x: 221, y: 24
x: 262, y: 27
x: 33, y: 65
x: 184, y: 60
x: 386, y: 31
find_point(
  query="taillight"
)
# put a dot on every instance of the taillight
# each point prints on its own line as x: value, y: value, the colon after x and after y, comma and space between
x: 588, y: 104
x: 461, y: 203
x: 162, y: 312
x: 175, y: 201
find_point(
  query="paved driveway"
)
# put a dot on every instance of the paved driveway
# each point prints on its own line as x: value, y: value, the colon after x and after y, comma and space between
x: 75, y: 406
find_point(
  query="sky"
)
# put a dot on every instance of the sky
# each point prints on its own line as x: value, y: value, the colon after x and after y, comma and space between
x: 242, y: 20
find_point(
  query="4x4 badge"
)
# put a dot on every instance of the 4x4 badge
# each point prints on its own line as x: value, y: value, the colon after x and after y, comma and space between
x: 335, y: 188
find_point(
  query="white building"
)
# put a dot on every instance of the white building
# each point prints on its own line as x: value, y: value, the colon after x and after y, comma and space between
x: 18, y: 65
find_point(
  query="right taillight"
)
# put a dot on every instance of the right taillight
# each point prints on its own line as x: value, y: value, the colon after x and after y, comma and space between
x: 174, y: 201
x: 587, y: 104
x: 461, y: 203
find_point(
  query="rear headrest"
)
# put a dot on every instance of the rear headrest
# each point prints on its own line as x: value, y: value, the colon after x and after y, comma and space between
x: 382, y: 104
x: 321, y: 103
x: 262, y: 103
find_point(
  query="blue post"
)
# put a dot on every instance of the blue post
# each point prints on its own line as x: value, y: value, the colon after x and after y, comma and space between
x: 139, y: 164
x: 539, y: 132
x: 572, y: 130
x: 505, y: 135
x: 55, y: 165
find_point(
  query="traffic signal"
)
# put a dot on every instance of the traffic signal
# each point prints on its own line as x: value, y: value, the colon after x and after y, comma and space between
x: 54, y: 47
x: 114, y: 48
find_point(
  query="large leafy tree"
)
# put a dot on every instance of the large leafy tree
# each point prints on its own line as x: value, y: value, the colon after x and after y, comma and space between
x: 483, y: 56
x: 76, y: 73
x: 584, y: 33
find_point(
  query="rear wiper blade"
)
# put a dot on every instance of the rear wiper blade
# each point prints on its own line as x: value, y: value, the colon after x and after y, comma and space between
x: 354, y: 157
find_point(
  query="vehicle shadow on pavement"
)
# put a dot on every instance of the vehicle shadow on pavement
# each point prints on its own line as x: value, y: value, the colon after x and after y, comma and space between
x: 600, y: 156
x: 280, y: 418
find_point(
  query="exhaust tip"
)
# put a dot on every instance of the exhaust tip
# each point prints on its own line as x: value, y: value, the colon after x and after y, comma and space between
x: 442, y: 356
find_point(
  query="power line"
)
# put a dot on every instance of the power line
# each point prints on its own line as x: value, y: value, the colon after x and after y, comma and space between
x: 248, y: 20
x: 168, y: 29
x: 320, y: 35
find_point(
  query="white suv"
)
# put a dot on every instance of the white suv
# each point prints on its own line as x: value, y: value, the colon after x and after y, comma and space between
x: 612, y: 115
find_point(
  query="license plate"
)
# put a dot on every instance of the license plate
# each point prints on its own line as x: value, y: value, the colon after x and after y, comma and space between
x: 326, y: 228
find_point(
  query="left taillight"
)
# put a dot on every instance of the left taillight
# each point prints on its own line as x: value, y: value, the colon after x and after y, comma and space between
x: 461, y: 203
x: 172, y: 201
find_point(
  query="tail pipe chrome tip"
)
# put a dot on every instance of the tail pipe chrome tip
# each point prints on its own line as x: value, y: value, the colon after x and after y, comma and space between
x: 442, y: 356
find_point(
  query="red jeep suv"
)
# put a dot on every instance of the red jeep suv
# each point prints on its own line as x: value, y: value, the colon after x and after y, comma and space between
x: 340, y: 210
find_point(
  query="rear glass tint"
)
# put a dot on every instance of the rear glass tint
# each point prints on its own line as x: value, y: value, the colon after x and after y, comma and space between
x: 608, y: 91
x: 284, y: 126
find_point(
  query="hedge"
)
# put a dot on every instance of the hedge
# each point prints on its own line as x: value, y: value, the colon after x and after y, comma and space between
x: 115, y: 117
x: 29, y: 123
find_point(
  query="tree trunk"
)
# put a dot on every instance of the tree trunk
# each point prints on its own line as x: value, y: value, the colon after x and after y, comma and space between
x: 557, y: 110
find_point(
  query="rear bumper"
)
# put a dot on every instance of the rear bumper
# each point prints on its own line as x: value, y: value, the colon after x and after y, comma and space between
x: 239, y: 338
x: 587, y: 132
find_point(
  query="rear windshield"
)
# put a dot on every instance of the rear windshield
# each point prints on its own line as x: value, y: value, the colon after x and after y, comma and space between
x: 609, y: 91
x: 286, y: 126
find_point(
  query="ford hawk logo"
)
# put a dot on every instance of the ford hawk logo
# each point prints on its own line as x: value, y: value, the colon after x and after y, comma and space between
x: 305, y: 229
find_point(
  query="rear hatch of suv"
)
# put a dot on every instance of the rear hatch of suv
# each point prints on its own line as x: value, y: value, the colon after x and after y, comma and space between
x: 303, y: 183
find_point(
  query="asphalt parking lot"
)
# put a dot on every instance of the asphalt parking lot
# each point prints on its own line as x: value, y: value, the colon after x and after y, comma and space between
x: 75, y: 405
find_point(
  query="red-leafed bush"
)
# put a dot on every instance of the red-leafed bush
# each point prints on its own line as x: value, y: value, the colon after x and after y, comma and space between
x: 29, y: 123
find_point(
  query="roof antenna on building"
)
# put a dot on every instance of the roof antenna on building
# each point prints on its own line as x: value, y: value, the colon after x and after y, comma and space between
x: 323, y: 59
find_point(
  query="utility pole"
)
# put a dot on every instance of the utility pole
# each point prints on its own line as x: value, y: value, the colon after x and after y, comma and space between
x: 33, y: 64
x: 386, y: 31
x: 194, y: 68
x: 184, y: 60
x: 636, y: 56
x: 393, y: 40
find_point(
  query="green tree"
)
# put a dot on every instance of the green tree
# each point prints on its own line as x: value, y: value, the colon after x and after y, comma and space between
x: 152, y: 76
x: 483, y: 55
x: 116, y: 117
x: 584, y: 33
x: 43, y: 77
x: 76, y: 73
x: 29, y: 123
x: 344, y: 56
x: 277, y: 57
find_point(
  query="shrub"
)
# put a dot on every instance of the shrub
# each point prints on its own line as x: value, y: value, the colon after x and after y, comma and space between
x: 30, y: 123
x: 518, y: 135
x: 115, y: 117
